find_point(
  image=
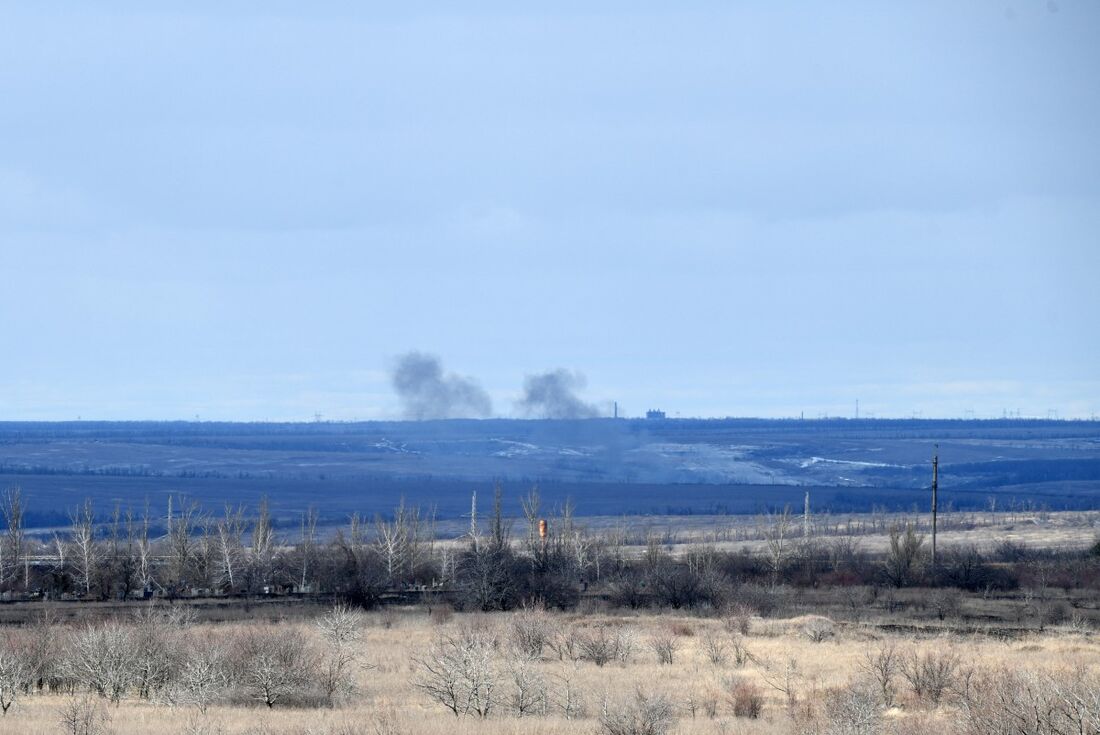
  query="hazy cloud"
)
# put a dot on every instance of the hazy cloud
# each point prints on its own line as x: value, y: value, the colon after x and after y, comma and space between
x: 552, y: 395
x: 427, y: 393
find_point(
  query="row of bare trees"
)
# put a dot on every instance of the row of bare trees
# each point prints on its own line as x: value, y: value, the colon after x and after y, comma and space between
x: 158, y: 656
x: 241, y: 552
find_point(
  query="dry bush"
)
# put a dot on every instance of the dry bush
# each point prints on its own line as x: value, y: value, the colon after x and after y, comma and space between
x: 14, y: 672
x: 385, y: 722
x: 204, y: 673
x: 881, y: 667
x: 783, y: 678
x: 853, y: 710
x: 567, y: 697
x: 531, y: 631
x: 624, y: 645
x: 738, y: 618
x: 460, y: 672
x: 566, y: 644
x: 442, y: 614
x: 682, y: 629
x: 930, y: 675
x: 529, y: 688
x: 603, y: 644
x: 597, y: 645
x: 818, y: 629
x: 702, y: 702
x: 741, y: 654
x: 664, y: 644
x: 104, y: 658
x: 340, y: 628
x: 644, y: 714
x: 945, y: 603
x: 1031, y: 703
x: 273, y: 665
x: 745, y: 698
x: 715, y: 647
x: 84, y: 716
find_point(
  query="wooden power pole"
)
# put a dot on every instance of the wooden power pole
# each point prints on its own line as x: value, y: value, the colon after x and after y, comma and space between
x: 935, y: 500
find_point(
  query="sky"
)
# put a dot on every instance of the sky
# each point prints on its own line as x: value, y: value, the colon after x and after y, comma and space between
x: 252, y: 211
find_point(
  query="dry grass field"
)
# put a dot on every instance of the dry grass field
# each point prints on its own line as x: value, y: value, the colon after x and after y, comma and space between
x: 779, y: 654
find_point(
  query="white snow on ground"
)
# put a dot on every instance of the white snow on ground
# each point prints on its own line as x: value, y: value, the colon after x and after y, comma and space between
x: 514, y: 449
x: 846, y: 462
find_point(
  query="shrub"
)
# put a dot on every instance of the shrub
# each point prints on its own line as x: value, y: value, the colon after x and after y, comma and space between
x: 273, y: 666
x: 1014, y: 701
x: 664, y: 644
x: 930, y: 675
x: 853, y: 710
x: 737, y: 618
x: 882, y: 668
x: 84, y: 716
x: 818, y: 629
x: 460, y: 673
x: 715, y: 647
x: 601, y: 645
x: 531, y: 631
x: 745, y: 698
x: 644, y: 714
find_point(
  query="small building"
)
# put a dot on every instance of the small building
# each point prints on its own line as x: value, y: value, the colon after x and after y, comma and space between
x: 655, y: 414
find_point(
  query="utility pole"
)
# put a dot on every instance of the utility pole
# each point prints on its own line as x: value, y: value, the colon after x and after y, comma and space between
x: 473, y: 516
x: 806, y: 517
x: 935, y: 500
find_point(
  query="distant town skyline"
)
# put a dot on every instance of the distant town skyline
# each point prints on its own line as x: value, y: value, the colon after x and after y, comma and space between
x: 709, y: 209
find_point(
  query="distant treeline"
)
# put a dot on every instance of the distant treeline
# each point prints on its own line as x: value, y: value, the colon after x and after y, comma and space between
x: 190, y: 551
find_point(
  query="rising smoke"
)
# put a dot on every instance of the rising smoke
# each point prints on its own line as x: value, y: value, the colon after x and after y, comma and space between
x: 552, y: 395
x: 426, y: 393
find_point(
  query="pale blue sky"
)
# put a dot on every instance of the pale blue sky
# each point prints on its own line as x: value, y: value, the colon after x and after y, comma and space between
x: 712, y: 208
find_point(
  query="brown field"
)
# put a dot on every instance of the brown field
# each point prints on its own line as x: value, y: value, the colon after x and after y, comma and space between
x: 386, y: 700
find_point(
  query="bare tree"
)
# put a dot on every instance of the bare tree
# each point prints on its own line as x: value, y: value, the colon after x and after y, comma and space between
x: 664, y: 644
x: 14, y: 672
x: 459, y: 672
x: 84, y: 716
x: 231, y: 550
x: 931, y: 675
x: 904, y: 555
x: 776, y: 530
x: 341, y: 629
x: 397, y: 541
x: 307, y: 547
x: 203, y: 672
x: 783, y: 678
x: 567, y: 696
x: 529, y: 687
x: 532, y: 507
x: 11, y: 547
x: 531, y: 631
x: 181, y: 543
x: 104, y: 658
x: 882, y: 667
x: 144, y: 551
x: 273, y: 667
x: 86, y: 552
x: 157, y: 640
x: 263, y: 547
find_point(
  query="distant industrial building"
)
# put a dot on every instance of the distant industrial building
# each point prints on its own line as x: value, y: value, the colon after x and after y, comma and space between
x: 654, y: 413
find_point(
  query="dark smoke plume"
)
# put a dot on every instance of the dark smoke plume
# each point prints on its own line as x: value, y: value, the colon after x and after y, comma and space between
x: 551, y: 395
x: 426, y: 393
